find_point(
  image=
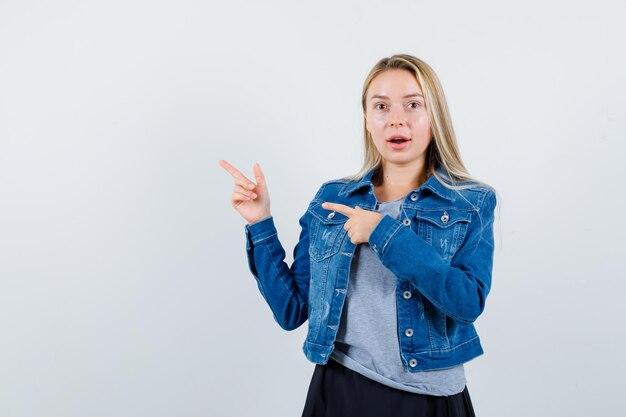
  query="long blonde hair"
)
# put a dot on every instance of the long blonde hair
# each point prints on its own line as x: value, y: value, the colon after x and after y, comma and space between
x: 443, y: 150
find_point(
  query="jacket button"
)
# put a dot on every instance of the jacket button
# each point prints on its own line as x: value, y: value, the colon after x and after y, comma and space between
x: 445, y: 217
x: 413, y: 363
x: 331, y: 215
x: 375, y: 248
x: 406, y: 294
x: 413, y: 196
x: 406, y: 221
x: 408, y: 332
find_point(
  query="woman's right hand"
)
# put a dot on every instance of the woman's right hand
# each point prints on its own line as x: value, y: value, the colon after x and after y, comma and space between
x: 251, y: 200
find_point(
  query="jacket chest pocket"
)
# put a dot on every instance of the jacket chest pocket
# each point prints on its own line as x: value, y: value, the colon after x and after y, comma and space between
x: 325, y: 232
x: 444, y: 229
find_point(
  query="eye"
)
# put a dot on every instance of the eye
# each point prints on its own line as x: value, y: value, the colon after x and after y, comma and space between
x: 416, y: 104
x: 379, y: 104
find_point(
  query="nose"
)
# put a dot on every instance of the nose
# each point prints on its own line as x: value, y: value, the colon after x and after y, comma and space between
x: 396, y: 118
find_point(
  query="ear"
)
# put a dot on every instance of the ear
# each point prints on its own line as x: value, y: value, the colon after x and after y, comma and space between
x: 365, y: 122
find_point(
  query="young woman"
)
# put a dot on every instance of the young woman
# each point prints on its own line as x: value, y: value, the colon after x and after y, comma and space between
x: 393, y: 264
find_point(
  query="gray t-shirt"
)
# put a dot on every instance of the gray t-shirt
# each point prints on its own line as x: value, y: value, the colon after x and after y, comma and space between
x: 367, y: 338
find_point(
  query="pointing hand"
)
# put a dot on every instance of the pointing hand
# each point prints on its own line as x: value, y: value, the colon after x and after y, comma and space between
x: 251, y: 200
x: 360, y: 222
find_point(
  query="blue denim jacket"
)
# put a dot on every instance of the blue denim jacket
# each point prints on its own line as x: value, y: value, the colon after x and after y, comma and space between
x: 441, y: 251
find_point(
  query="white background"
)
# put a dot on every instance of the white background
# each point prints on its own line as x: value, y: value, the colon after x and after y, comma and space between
x: 124, y: 287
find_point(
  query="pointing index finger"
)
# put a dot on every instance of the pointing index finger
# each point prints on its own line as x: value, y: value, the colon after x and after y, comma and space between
x: 242, y: 179
x: 341, y: 208
x: 233, y: 171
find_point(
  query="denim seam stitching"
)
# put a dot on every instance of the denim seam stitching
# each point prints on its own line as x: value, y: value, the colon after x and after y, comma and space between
x: 323, y: 297
x: 263, y: 238
x: 445, y: 350
x: 387, y: 240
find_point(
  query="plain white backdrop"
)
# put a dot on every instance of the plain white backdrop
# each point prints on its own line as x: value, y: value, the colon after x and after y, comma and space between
x: 124, y: 286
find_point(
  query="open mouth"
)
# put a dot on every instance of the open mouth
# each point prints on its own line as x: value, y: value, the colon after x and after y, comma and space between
x: 398, y: 140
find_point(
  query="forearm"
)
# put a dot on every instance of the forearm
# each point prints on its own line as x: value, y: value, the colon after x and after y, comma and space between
x: 277, y: 282
x: 458, y: 288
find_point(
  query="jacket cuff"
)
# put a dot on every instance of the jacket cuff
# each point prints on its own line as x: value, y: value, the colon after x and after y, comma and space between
x: 382, y: 233
x: 259, y: 231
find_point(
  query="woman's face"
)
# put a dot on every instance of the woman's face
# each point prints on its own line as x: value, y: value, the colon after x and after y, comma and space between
x: 395, y: 108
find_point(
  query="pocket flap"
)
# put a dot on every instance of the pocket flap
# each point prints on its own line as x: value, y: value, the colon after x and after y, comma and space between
x: 444, y: 217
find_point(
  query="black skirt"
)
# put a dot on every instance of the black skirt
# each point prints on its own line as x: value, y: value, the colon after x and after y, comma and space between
x: 337, y: 391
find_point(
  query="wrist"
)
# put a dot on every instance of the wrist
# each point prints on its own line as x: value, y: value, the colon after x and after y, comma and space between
x: 259, y: 219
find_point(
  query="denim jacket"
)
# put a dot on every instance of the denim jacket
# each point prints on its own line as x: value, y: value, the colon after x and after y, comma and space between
x: 441, y: 252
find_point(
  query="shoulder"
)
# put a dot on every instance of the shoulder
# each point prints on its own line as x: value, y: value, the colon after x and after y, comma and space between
x: 480, y: 194
x: 478, y: 197
x: 330, y: 188
x: 482, y: 199
x: 327, y: 191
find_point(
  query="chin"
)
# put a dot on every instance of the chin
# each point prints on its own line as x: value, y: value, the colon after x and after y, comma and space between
x: 404, y: 159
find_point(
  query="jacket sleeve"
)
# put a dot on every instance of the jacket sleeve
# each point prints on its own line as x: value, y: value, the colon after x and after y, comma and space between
x: 284, y: 288
x: 458, y: 289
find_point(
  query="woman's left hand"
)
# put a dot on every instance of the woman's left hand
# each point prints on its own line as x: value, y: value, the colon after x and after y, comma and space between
x: 360, y: 222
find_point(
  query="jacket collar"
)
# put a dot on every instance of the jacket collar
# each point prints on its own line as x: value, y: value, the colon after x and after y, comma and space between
x: 431, y: 183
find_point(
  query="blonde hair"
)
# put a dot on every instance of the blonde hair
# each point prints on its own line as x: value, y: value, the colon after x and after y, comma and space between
x: 443, y: 150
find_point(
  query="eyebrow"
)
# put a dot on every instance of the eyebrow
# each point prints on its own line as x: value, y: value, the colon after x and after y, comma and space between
x: 387, y: 98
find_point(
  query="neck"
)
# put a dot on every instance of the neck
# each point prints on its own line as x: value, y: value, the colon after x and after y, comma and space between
x: 393, y: 181
x: 398, y: 177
